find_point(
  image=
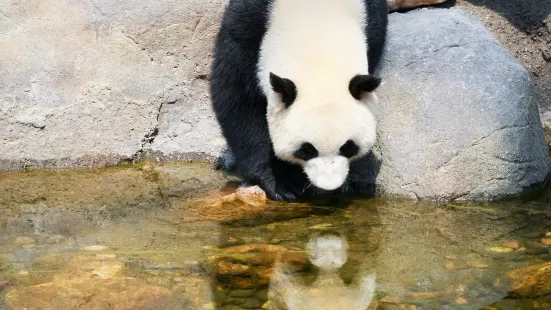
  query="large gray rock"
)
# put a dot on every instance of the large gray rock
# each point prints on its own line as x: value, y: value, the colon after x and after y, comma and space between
x: 457, y: 118
x: 99, y: 81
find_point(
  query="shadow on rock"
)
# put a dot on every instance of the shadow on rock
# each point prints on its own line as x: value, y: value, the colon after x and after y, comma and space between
x: 525, y: 15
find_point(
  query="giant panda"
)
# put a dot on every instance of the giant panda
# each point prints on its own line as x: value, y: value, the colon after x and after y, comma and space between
x: 292, y: 86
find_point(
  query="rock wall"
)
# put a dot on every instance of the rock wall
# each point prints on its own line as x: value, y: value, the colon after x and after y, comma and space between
x: 88, y: 83
x: 93, y: 82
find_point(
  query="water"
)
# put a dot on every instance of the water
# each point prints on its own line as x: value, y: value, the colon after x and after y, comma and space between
x: 159, y: 237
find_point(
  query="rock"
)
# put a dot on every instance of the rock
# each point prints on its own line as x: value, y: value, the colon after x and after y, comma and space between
x: 546, y: 241
x: 548, y: 234
x: 425, y: 295
x: 478, y: 265
x: 499, y: 249
x: 536, y: 247
x: 391, y: 300
x: 456, y: 115
x: 460, y: 289
x: 252, y: 304
x: 94, y: 248
x: 531, y: 281
x: 3, y: 285
x: 513, y: 244
x: 23, y: 241
x: 147, y: 167
x: 241, y: 208
x: 267, y: 255
x: 89, y: 282
x: 457, y: 266
x: 113, y: 81
x: 184, y: 181
x: 461, y: 301
x: 253, y: 195
x: 209, y: 305
x: 251, y: 266
x: 395, y: 5
x: 241, y: 293
x: 227, y: 268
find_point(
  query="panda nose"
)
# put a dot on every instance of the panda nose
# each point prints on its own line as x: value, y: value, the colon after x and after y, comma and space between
x: 327, y: 173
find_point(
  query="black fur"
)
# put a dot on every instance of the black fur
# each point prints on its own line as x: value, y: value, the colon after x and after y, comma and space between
x: 285, y: 87
x: 306, y: 152
x: 377, y: 21
x: 240, y: 105
x: 363, y: 83
x: 349, y: 149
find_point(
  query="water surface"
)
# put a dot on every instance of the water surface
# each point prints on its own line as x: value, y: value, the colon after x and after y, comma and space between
x: 161, y: 237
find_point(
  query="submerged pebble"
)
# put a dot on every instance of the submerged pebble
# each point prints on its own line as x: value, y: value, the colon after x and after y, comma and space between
x: 23, y: 241
x: 23, y: 273
x: 391, y: 300
x: 531, y: 281
x: 425, y: 295
x: 461, y: 301
x: 94, y: 248
x: 499, y: 249
x: 513, y: 244
x: 322, y: 226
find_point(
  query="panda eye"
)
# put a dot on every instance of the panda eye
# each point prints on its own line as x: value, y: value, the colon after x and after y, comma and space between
x: 306, y: 152
x: 349, y: 149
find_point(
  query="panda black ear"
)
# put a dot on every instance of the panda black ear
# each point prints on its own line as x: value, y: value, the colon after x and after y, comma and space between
x: 363, y: 83
x: 285, y: 87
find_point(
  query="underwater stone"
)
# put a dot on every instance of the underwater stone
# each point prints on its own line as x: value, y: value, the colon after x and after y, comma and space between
x: 513, y: 244
x: 532, y: 281
x: 23, y: 241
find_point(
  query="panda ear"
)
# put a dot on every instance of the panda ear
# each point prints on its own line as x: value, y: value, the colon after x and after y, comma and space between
x: 363, y: 83
x: 285, y: 87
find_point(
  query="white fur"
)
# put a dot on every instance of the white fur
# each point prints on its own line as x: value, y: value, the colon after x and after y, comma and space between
x: 320, y: 45
x: 328, y: 172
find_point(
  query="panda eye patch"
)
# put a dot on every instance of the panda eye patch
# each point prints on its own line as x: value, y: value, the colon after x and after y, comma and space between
x: 306, y: 152
x: 349, y: 149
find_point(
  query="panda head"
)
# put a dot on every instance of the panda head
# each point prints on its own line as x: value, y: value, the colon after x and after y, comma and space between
x: 322, y: 125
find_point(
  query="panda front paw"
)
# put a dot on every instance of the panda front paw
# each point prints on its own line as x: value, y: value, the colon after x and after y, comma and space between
x: 280, y: 193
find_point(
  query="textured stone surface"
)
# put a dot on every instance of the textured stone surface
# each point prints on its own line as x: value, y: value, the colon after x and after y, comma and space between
x: 92, y: 82
x: 457, y: 117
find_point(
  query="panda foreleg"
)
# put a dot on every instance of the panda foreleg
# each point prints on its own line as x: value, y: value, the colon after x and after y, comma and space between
x: 258, y: 166
x: 245, y: 128
x: 377, y: 21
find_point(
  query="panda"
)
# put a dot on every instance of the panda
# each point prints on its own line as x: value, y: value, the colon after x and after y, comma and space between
x: 292, y: 84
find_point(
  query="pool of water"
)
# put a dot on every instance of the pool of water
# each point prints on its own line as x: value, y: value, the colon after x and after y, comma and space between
x: 168, y: 237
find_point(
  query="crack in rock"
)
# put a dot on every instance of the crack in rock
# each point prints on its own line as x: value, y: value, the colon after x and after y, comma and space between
x: 477, y: 142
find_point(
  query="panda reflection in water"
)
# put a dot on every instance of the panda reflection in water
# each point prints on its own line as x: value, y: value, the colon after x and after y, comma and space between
x: 292, y: 83
x: 328, y: 252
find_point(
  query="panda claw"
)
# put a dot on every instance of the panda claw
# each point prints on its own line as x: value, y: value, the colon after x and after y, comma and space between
x: 280, y: 194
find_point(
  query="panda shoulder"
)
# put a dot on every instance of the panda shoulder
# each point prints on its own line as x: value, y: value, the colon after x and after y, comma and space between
x: 247, y: 19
